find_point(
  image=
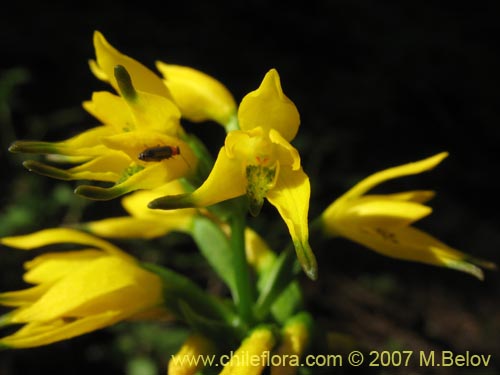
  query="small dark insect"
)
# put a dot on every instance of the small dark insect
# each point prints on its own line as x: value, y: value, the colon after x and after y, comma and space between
x: 159, y: 153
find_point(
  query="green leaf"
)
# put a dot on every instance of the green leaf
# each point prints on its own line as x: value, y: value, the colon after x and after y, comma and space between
x: 179, y: 289
x: 215, y: 247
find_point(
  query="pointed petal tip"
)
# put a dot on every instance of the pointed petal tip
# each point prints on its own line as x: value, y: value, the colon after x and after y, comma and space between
x: 170, y: 202
x: 98, y: 193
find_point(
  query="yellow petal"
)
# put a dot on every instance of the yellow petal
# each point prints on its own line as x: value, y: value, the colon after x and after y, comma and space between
x: 23, y: 297
x: 50, y: 267
x: 107, y: 167
x: 61, y: 235
x: 106, y: 284
x: 291, y: 196
x: 111, y: 110
x: 395, y: 172
x: 373, y: 211
x: 188, y: 360
x: 286, y: 153
x: 418, y: 196
x: 108, y: 57
x: 155, y: 113
x: 42, y: 333
x: 412, y: 244
x: 250, y: 358
x: 136, y: 204
x: 199, y: 96
x: 270, y: 108
x: 226, y: 180
x: 131, y: 227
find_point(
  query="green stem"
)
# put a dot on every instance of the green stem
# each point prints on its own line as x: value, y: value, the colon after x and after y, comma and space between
x: 241, y: 268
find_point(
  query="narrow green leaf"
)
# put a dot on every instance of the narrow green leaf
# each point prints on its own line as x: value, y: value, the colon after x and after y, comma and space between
x: 215, y: 247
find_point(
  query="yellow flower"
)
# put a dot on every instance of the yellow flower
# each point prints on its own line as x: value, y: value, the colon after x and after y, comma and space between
x: 253, y: 354
x: 189, y: 359
x: 142, y: 221
x: 75, y: 292
x: 383, y: 222
x: 139, y: 144
x: 199, y: 96
x: 259, y: 161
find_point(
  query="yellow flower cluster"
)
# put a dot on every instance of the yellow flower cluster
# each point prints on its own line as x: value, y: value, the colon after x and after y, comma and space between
x: 168, y: 182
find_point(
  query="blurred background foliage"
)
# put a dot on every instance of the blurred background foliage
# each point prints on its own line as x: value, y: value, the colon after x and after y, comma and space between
x: 378, y: 83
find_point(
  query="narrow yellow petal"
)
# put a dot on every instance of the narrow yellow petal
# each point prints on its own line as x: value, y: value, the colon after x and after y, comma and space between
x: 61, y: 235
x: 143, y: 78
x: 43, y: 333
x: 291, y: 196
x: 107, y: 167
x: 199, y: 96
x: 270, y: 108
x: 23, y: 297
x: 408, y: 243
x: 50, y: 267
x: 131, y: 227
x: 371, y: 211
x: 395, y: 172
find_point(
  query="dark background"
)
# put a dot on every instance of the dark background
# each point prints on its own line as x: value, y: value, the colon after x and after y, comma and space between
x: 378, y: 83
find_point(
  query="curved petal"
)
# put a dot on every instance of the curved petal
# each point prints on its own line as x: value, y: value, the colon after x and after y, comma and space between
x: 199, y: 96
x: 43, y: 333
x: 156, y: 113
x: 133, y: 227
x: 108, y: 57
x: 50, y: 267
x: 61, y: 235
x: 270, y: 108
x: 368, y: 211
x: 286, y: 153
x: 291, y: 196
x: 111, y: 110
x: 388, y: 174
x: 22, y: 297
x: 226, y: 180
x: 408, y: 243
x: 136, y: 204
x: 146, y: 178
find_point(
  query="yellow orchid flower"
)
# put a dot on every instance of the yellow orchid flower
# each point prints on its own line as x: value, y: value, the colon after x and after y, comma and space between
x: 383, y: 222
x: 139, y: 145
x: 142, y: 221
x: 259, y: 161
x: 75, y: 292
x: 251, y: 357
x: 199, y: 96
